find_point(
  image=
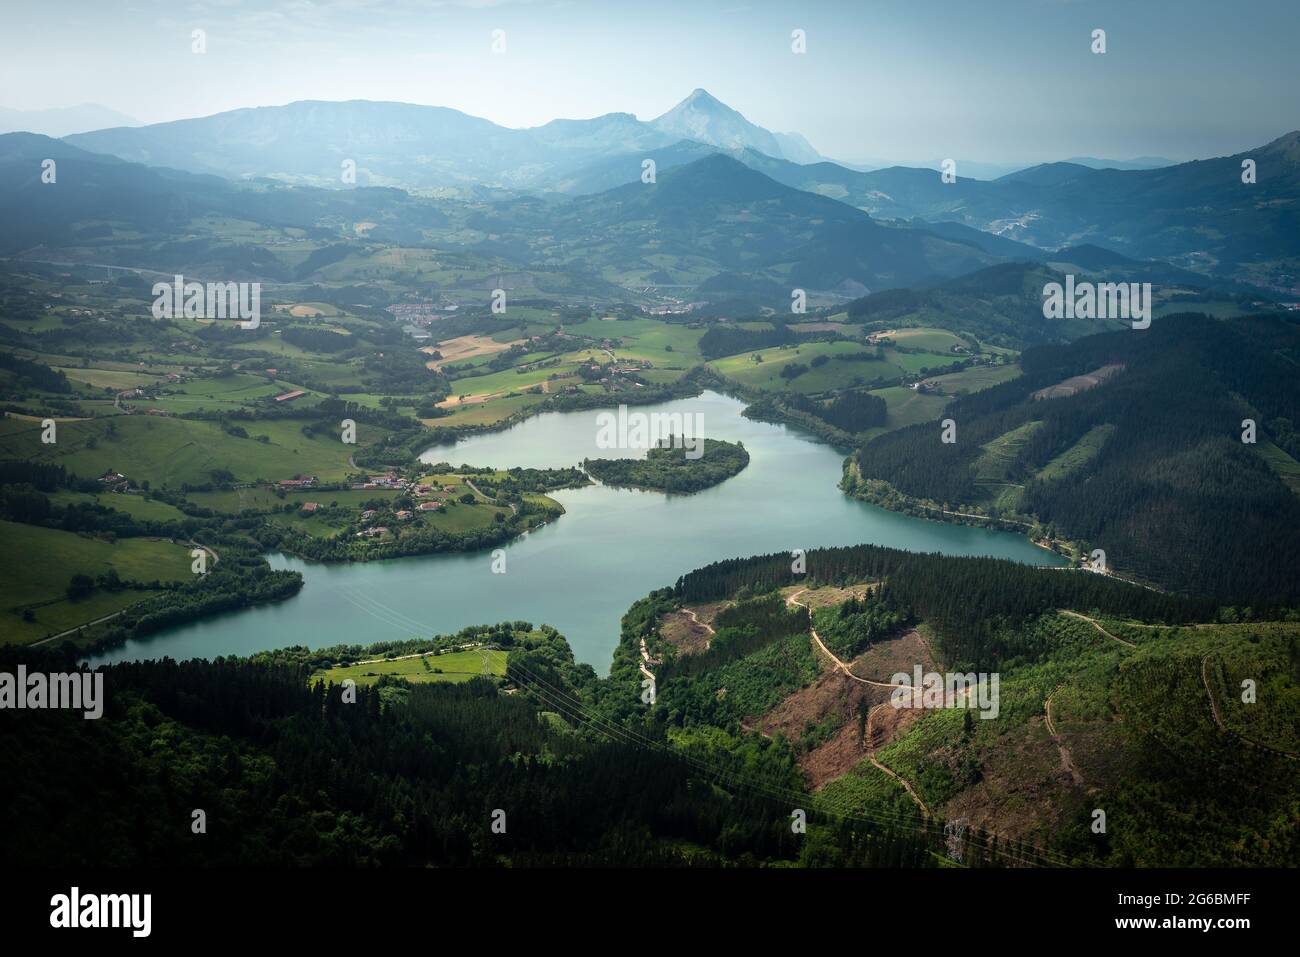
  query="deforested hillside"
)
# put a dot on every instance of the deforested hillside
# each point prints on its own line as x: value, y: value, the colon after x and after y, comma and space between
x: 1170, y: 449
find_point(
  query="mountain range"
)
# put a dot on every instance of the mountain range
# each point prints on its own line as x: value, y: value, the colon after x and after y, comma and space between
x: 1199, y: 215
x: 422, y: 147
x: 712, y: 217
x: 714, y: 226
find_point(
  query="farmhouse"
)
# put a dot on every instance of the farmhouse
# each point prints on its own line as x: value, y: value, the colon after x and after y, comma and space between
x: 429, y: 506
x: 114, y: 481
x: 309, y: 507
x: 290, y: 396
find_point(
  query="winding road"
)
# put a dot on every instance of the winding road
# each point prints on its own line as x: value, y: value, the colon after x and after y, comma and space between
x: 793, y: 600
x: 1096, y: 624
x: 871, y: 756
x: 841, y: 666
x: 1067, y: 760
x: 490, y: 498
x: 1218, y: 718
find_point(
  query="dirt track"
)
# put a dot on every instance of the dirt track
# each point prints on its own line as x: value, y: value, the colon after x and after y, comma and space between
x: 868, y: 738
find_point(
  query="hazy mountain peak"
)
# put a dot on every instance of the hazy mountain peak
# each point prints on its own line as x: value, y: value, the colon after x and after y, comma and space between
x: 706, y: 119
x: 702, y: 103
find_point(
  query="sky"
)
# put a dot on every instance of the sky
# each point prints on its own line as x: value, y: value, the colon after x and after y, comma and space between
x: 990, y: 80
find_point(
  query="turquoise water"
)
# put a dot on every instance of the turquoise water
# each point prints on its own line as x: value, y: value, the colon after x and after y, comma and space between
x: 581, y: 572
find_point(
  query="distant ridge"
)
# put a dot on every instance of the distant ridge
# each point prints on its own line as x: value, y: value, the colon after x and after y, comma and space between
x: 63, y: 120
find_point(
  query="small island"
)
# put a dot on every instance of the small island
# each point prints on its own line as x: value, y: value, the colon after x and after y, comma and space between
x: 667, y: 467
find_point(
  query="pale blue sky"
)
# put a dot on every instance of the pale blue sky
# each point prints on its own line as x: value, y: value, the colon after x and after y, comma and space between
x: 993, y: 80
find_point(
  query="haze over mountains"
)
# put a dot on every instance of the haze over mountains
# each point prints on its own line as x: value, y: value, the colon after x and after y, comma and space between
x: 741, y: 213
x: 63, y: 120
x: 401, y: 144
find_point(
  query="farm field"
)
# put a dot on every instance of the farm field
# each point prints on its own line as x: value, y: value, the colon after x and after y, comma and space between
x: 453, y: 666
x: 261, y: 497
x: 486, y: 413
x: 40, y: 585
x: 224, y: 392
x: 975, y: 378
x: 340, y: 509
x: 930, y: 339
x: 114, y: 379
x: 517, y: 379
x: 171, y: 451
x: 745, y: 369
x: 661, y: 343
x: 458, y: 517
x: 137, y: 506
x: 464, y: 348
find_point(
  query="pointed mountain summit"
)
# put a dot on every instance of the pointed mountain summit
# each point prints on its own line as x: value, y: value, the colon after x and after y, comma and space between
x: 704, y: 118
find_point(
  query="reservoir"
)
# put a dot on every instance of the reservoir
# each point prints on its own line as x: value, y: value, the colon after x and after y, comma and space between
x: 581, y: 572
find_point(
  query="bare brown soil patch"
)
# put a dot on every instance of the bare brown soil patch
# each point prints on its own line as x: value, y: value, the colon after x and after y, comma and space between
x: 835, y: 758
x: 835, y: 694
x: 453, y: 401
x: 1079, y: 383
x: 885, y: 659
x: 1023, y: 789
x: 465, y: 347
x: 684, y: 633
x: 832, y: 693
x: 888, y: 724
x: 707, y: 612
x: 827, y: 595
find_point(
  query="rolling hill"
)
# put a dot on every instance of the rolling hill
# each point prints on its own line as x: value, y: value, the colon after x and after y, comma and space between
x: 1131, y: 442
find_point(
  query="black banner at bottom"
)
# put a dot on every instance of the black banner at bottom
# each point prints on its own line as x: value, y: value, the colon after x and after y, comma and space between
x: 215, y: 906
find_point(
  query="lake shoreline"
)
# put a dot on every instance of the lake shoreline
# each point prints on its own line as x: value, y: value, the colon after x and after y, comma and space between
x: 580, y: 575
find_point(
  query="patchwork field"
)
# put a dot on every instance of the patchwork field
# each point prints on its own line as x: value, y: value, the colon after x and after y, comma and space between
x: 761, y: 369
x: 462, y: 348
